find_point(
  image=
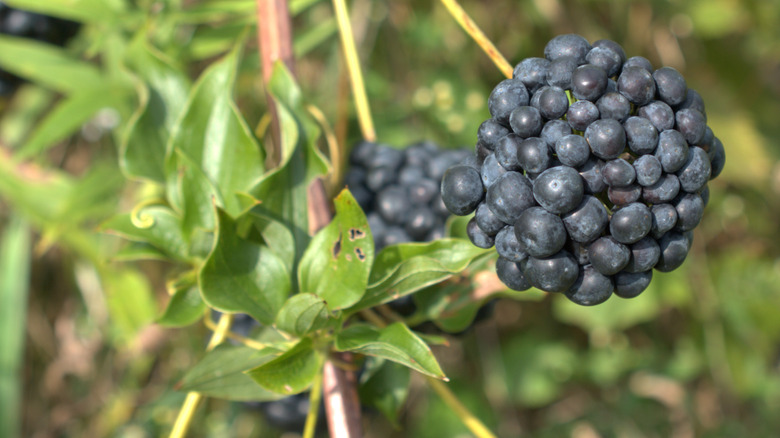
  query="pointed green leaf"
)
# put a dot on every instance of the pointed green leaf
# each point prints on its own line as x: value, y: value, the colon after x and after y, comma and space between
x: 220, y: 374
x: 384, y: 385
x: 186, y: 305
x: 130, y: 301
x: 338, y: 260
x: 89, y: 11
x: 402, y: 269
x: 292, y: 372
x: 394, y: 342
x: 243, y: 276
x: 15, y: 261
x: 302, y: 314
x: 277, y: 236
x: 135, y: 251
x: 163, y: 89
x: 197, y: 196
x: 213, y: 134
x: 284, y: 190
x: 48, y: 65
x: 156, y: 225
x: 71, y: 113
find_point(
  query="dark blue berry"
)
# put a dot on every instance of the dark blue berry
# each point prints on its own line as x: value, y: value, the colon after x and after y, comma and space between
x: 674, y: 249
x: 551, y: 274
x: 631, y: 284
x: 691, y: 124
x: 637, y: 85
x: 490, y: 131
x: 506, y: 151
x: 670, y: 85
x: 608, y: 256
x: 690, y: 209
x: 624, y: 195
x: 568, y: 45
x: 509, y: 196
x: 648, y: 170
x: 533, y: 155
x: 664, y: 190
x: 659, y: 114
x: 695, y: 173
x: 510, y: 274
x: 581, y: 114
x: 586, y: 222
x: 572, y: 150
x: 461, y: 189
x: 631, y: 223
x: 641, y: 135
x: 591, y: 287
x: 526, y: 121
x: 532, y: 72
x: 664, y: 219
x: 607, y: 138
x: 672, y: 150
x: 491, y: 170
x: 507, y: 245
x: 588, y: 82
x: 487, y: 220
x: 551, y: 102
x: 506, y: 96
x: 558, y: 189
x: 559, y: 72
x: 591, y: 175
x: 618, y: 173
x: 644, y: 255
x: 477, y: 236
x: 614, y: 105
x: 540, y: 233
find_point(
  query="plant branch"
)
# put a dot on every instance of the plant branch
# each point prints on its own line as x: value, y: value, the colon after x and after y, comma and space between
x: 341, y: 400
x: 314, y: 407
x: 469, y: 420
x: 274, y: 36
x: 478, y: 36
x: 355, y: 73
x: 251, y: 343
x: 193, y: 398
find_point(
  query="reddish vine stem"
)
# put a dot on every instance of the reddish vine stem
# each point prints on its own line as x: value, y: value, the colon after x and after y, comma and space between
x: 275, y: 42
x: 274, y: 37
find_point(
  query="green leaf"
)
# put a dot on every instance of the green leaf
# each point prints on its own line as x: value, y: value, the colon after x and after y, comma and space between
x: 450, y: 305
x: 402, y: 269
x: 220, y: 374
x: 15, y: 251
x: 130, y: 300
x: 135, y: 251
x: 48, y: 65
x: 71, y: 113
x: 197, y: 196
x: 157, y: 225
x: 243, y: 276
x: 277, y: 236
x: 394, y: 342
x: 163, y: 89
x: 302, y: 314
x: 284, y: 190
x: 385, y: 386
x: 186, y: 305
x: 88, y: 11
x: 213, y: 134
x: 338, y: 260
x: 292, y: 372
x: 23, y: 113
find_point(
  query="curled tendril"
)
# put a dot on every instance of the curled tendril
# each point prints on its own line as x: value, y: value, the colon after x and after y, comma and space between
x: 140, y: 219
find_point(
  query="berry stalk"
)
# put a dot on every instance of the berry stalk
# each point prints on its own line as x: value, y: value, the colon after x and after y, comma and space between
x: 478, y: 36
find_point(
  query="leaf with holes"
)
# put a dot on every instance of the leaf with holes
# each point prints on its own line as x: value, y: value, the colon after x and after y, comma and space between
x: 338, y: 261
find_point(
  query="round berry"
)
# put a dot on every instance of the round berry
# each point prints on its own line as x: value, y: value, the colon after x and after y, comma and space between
x: 631, y: 223
x: 581, y: 114
x: 591, y: 287
x: 556, y: 273
x: 526, y: 121
x: 539, y: 232
x: 608, y: 256
x: 606, y: 138
x: 631, y: 284
x: 588, y: 82
x: 509, y: 196
x: 506, y: 96
x: 637, y: 85
x: 558, y: 189
x: 670, y: 85
x: 461, y: 190
x: 510, y: 274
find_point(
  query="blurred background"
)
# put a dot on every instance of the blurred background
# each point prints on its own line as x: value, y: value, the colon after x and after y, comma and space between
x: 696, y: 355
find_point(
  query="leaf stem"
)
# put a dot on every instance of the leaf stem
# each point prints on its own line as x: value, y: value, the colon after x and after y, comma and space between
x: 466, y: 417
x: 371, y: 316
x: 476, y: 34
x: 355, y: 73
x: 187, y: 411
x: 251, y: 343
x: 334, y: 151
x: 314, y: 407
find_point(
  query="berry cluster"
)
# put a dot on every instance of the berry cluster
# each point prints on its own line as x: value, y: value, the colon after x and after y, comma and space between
x: 16, y: 22
x: 399, y: 189
x: 594, y: 171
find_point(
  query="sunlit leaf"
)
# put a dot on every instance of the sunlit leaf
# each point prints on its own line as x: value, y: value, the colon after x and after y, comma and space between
x: 47, y: 65
x: 213, y: 134
x: 394, y: 342
x: 163, y: 89
x: 156, y: 225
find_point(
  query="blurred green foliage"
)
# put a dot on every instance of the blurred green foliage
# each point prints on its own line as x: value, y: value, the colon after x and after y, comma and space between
x: 697, y: 354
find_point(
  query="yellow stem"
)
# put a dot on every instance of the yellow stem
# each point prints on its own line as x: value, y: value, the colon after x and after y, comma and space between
x: 314, y: 407
x: 251, y: 343
x: 336, y: 157
x: 476, y: 34
x: 469, y: 420
x: 193, y: 398
x: 356, y: 75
